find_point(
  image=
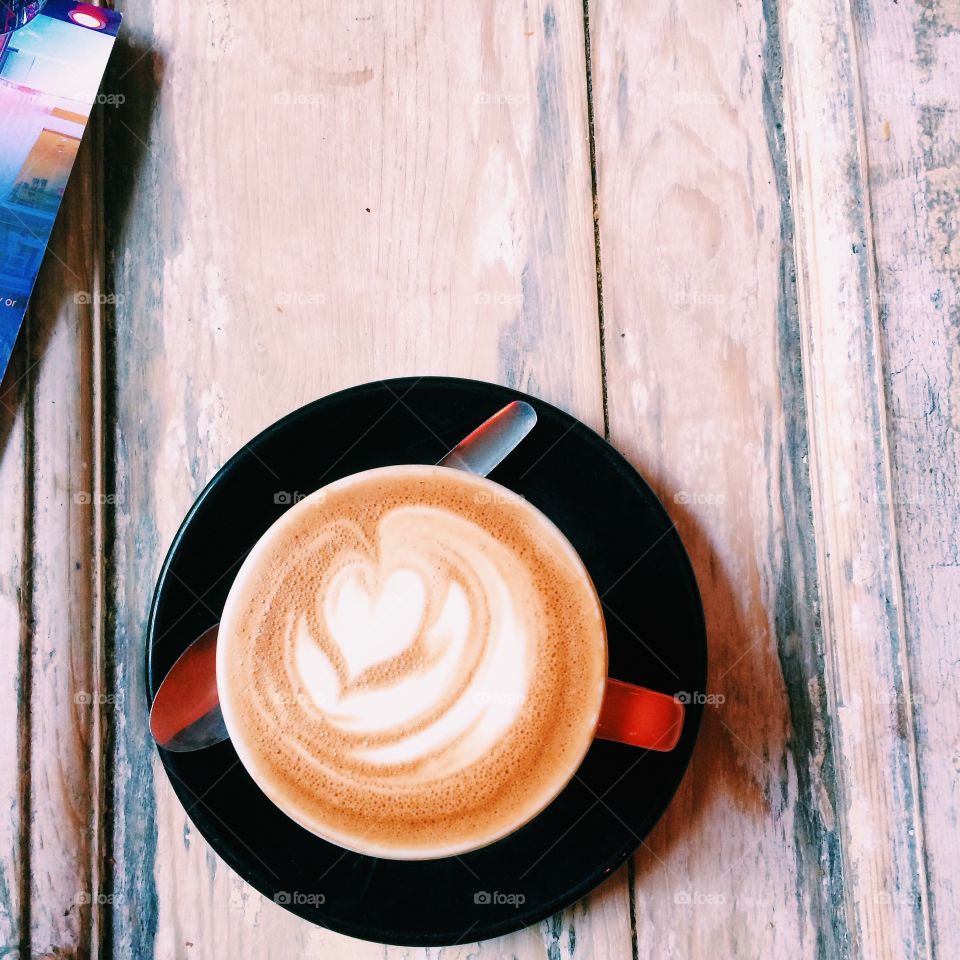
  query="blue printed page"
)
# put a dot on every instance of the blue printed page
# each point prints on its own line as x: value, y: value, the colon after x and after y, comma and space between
x: 50, y: 73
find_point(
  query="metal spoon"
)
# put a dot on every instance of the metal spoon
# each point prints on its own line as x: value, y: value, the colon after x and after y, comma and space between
x: 186, y: 713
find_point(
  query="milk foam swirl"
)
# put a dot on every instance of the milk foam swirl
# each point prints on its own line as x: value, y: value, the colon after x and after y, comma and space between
x: 411, y: 662
x: 419, y: 649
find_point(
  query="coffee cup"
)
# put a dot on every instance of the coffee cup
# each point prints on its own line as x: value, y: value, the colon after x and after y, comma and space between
x: 412, y: 663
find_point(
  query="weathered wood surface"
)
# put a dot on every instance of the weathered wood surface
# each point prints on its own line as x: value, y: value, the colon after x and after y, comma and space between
x: 53, y: 702
x: 298, y: 204
x: 14, y: 607
x: 866, y: 668
x: 67, y: 705
x: 705, y: 395
x: 908, y: 58
x: 431, y: 210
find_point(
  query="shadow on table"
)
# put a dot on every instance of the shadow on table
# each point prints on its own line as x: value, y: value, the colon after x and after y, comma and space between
x: 747, y: 718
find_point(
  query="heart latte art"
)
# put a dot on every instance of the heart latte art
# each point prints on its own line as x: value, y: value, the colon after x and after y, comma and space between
x: 411, y: 662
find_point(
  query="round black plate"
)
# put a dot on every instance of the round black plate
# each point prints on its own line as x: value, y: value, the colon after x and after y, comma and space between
x: 656, y: 637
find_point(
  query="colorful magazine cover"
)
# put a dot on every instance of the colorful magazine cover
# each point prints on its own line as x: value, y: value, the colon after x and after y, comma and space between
x: 50, y: 73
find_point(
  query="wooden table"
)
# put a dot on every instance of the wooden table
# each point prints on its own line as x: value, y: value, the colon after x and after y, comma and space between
x: 726, y: 235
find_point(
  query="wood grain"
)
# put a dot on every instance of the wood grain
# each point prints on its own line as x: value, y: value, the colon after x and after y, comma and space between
x: 705, y: 396
x: 351, y: 193
x: 867, y: 667
x: 908, y: 57
x: 14, y: 651
x: 354, y: 193
x: 53, y: 705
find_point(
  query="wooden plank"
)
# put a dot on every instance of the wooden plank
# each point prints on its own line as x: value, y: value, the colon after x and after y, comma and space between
x: 15, y: 492
x: 325, y: 197
x: 867, y: 666
x: 49, y: 889
x: 67, y: 701
x: 908, y: 57
x: 705, y: 396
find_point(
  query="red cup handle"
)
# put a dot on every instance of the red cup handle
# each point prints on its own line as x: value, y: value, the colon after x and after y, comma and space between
x: 640, y: 717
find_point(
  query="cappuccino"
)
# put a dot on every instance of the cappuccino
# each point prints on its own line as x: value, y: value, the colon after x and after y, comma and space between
x: 411, y: 662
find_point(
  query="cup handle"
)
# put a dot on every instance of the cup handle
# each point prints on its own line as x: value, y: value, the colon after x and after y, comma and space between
x: 640, y: 717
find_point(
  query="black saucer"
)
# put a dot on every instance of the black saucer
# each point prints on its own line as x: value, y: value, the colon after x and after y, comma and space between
x: 656, y: 637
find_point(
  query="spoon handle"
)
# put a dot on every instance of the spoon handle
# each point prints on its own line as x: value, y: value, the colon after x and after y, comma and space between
x: 487, y: 446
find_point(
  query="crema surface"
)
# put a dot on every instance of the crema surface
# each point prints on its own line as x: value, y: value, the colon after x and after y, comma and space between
x: 411, y: 662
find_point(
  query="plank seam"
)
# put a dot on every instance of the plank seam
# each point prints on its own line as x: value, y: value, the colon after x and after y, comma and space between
x: 591, y: 134
x: 101, y: 480
x: 100, y: 858
x: 631, y: 887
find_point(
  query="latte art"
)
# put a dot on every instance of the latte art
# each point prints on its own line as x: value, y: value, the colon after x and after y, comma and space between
x: 414, y: 648
x: 406, y: 662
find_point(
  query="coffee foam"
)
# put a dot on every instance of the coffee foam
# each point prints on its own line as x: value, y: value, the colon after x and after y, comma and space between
x: 411, y: 662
